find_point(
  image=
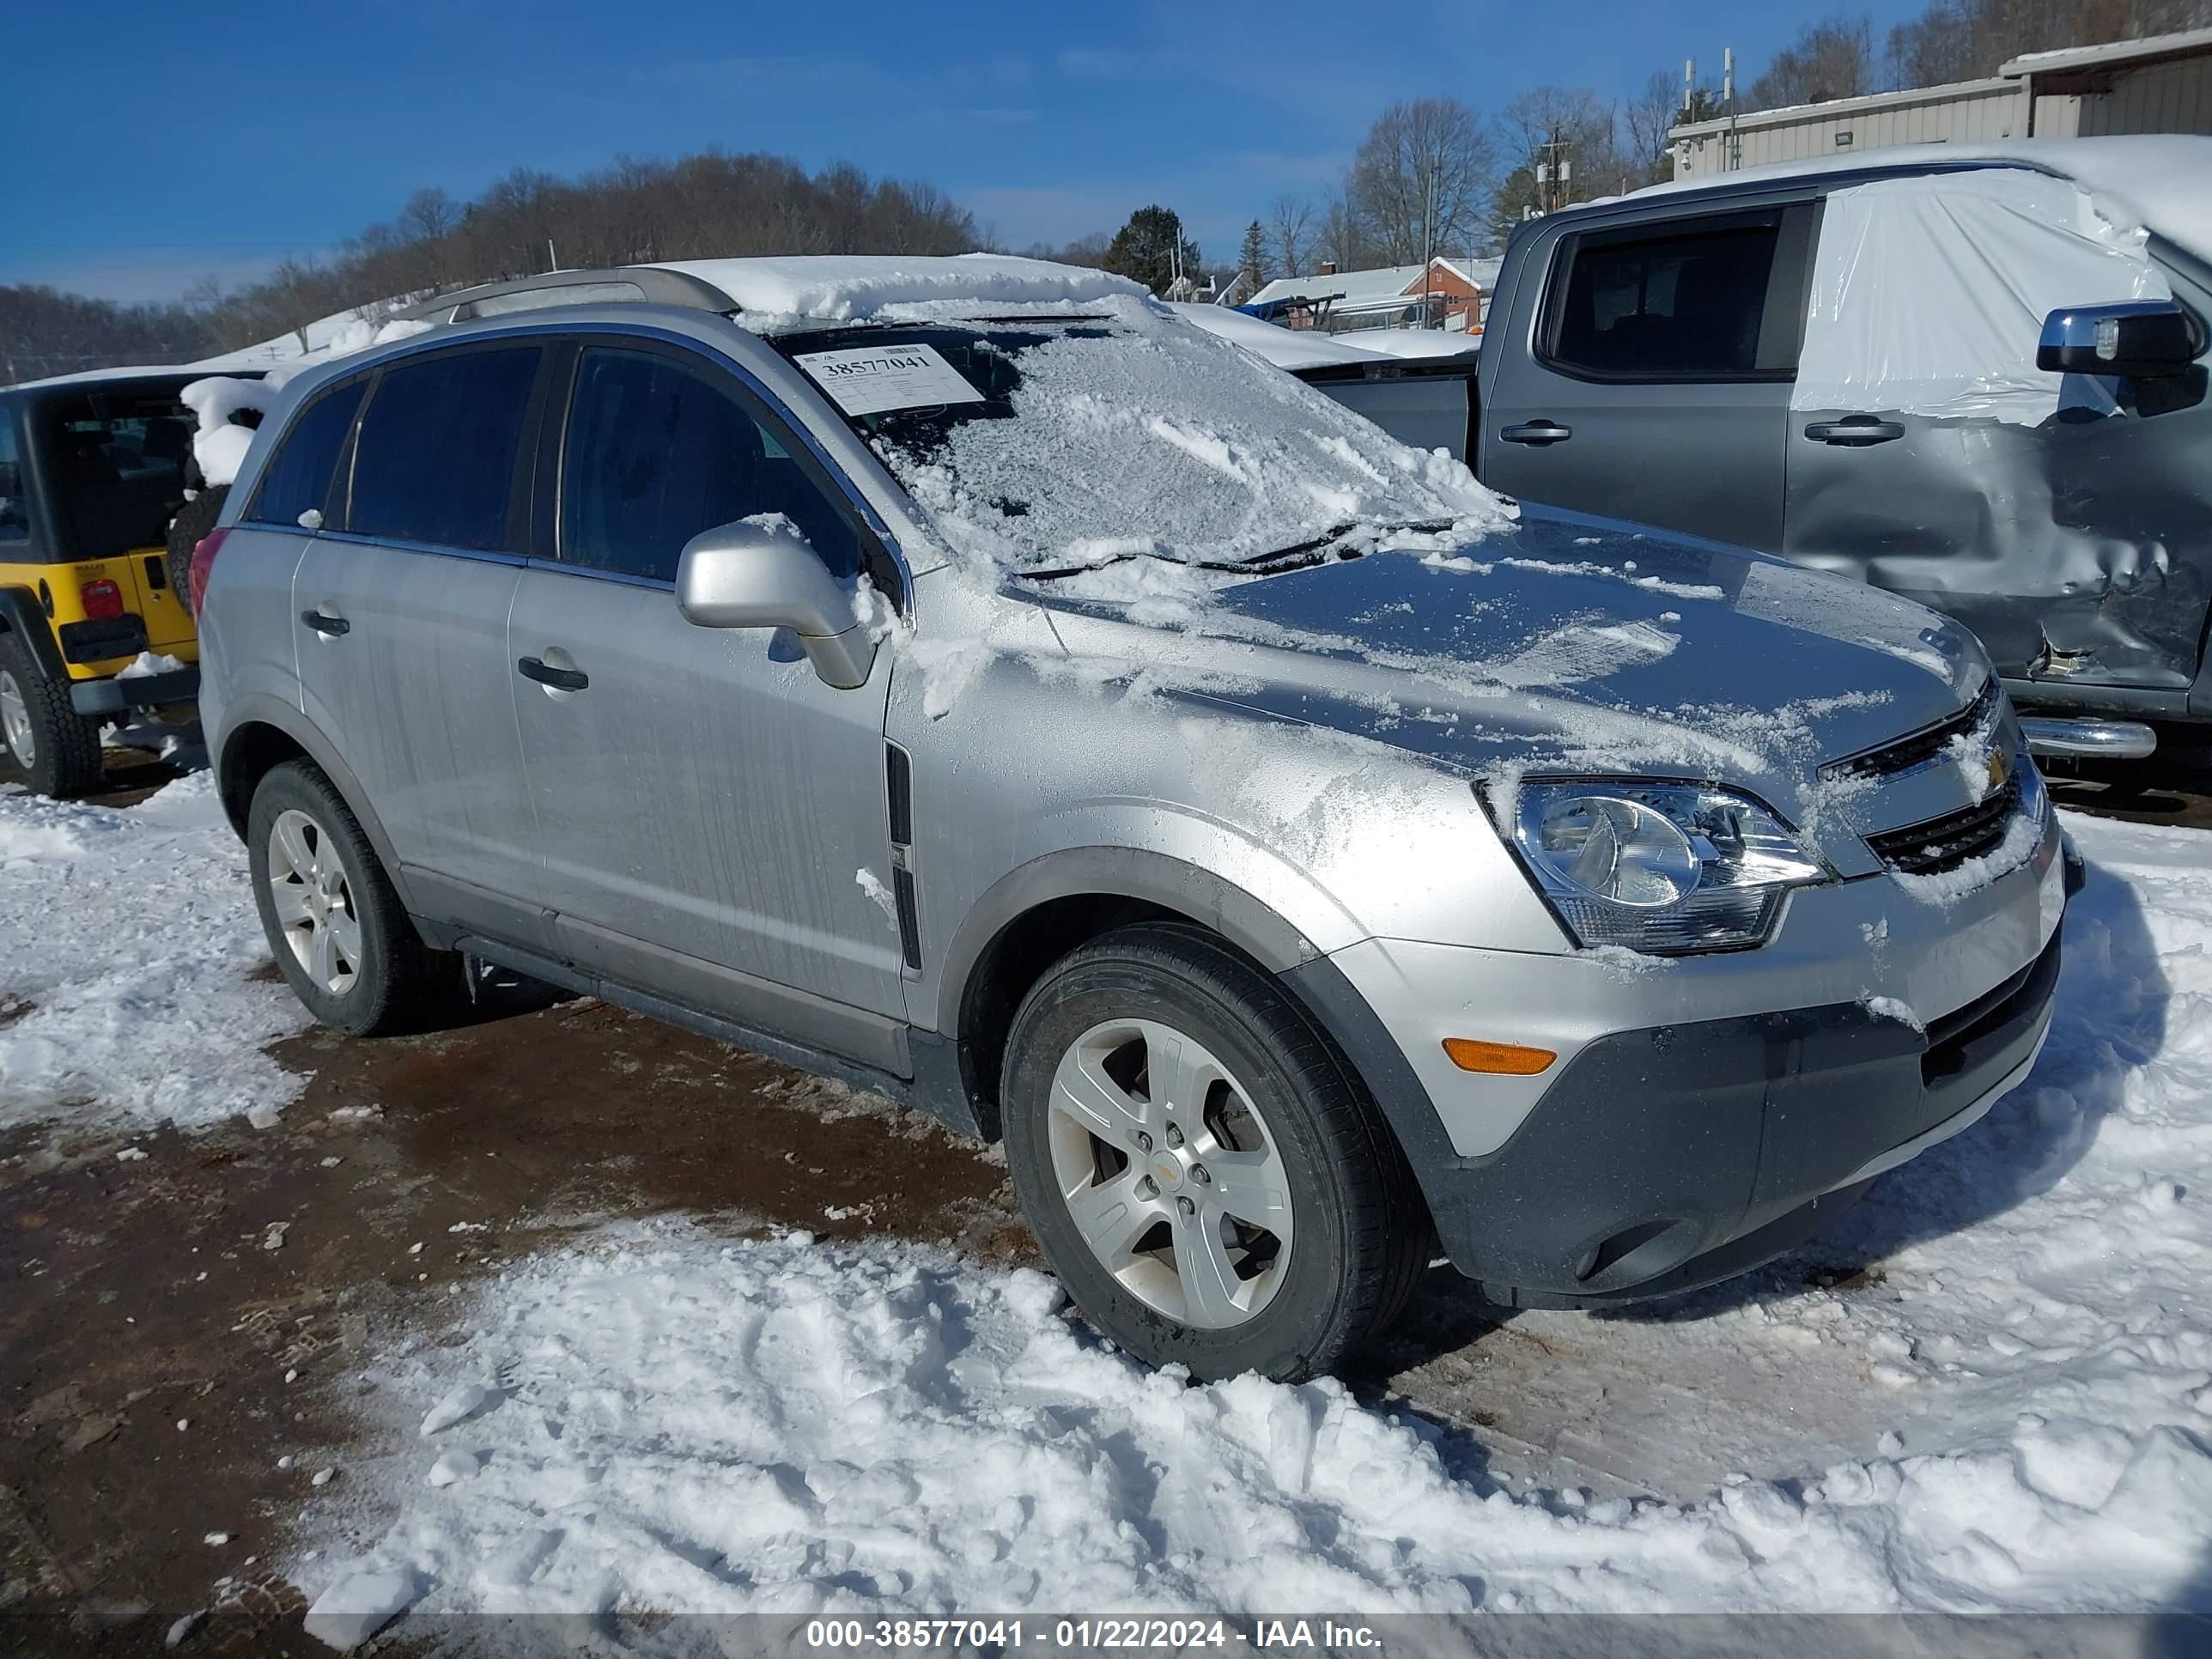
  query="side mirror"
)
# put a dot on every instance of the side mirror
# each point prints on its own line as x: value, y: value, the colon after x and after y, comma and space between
x: 761, y: 572
x: 2144, y: 339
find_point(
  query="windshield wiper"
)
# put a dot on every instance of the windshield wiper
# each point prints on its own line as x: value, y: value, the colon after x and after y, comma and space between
x: 1313, y: 551
x: 1298, y: 553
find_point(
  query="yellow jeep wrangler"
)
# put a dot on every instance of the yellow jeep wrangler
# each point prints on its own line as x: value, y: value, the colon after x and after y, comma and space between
x: 92, y: 470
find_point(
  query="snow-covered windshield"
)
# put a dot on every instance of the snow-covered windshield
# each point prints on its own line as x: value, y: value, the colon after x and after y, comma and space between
x: 1093, y: 434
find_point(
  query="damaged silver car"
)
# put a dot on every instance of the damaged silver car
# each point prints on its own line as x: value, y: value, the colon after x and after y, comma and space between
x: 1972, y: 374
x: 966, y: 679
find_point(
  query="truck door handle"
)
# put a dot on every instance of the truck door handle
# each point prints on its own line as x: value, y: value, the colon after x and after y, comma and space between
x: 561, y: 679
x: 1854, y: 431
x: 324, y: 623
x: 1539, y: 432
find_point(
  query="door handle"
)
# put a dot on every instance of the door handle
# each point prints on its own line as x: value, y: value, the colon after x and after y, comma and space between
x: 561, y: 679
x: 1538, y: 433
x: 1854, y: 431
x: 324, y: 623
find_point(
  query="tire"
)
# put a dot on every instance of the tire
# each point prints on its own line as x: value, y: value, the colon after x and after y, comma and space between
x: 191, y: 525
x: 56, y: 748
x: 320, y: 885
x: 1299, y: 1297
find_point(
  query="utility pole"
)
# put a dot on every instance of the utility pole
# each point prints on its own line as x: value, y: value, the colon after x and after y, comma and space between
x: 1555, y: 171
x: 1734, y: 150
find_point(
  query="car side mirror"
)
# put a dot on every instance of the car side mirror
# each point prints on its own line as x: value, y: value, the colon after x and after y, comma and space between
x: 2145, y: 339
x: 761, y: 572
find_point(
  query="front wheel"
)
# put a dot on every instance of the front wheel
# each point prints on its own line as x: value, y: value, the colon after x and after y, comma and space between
x: 1212, y: 1186
x: 340, y: 936
x: 56, y: 748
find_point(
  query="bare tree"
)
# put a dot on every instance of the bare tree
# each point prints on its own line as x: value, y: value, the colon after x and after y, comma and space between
x: 1962, y: 39
x: 1341, y: 238
x: 1830, y: 59
x: 1420, y: 179
x: 1648, y: 116
x: 430, y: 213
x: 1289, y: 222
x: 1560, y: 145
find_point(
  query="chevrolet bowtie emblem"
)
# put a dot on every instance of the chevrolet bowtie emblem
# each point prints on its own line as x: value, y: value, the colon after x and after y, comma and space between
x: 2000, y: 770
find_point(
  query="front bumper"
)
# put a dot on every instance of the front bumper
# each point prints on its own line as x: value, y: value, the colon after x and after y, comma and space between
x: 112, y: 696
x: 1661, y: 1156
x: 1668, y: 1158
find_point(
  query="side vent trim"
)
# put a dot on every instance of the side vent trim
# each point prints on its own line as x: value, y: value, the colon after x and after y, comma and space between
x: 898, y: 780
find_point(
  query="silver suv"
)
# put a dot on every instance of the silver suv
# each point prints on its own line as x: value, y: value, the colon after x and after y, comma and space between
x: 1014, y: 700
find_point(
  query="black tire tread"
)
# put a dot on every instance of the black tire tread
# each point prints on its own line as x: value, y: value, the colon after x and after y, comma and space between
x: 1388, y: 1231
x: 69, y: 763
x: 419, y: 984
x: 186, y: 530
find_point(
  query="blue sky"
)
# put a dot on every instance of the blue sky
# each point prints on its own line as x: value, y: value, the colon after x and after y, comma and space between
x: 151, y: 143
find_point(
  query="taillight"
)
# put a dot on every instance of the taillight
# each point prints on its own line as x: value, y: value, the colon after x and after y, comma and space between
x: 203, y: 552
x: 103, y: 600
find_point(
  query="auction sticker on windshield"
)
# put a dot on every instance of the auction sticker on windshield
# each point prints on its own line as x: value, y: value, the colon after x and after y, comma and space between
x: 869, y: 380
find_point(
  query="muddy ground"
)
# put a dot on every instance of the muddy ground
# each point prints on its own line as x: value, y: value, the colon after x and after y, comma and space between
x: 168, y: 1322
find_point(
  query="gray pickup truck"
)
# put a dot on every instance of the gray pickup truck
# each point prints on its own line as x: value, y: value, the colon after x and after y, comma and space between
x: 1972, y: 375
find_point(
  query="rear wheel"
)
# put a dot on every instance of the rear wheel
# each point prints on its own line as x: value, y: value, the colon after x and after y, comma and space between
x: 336, y: 926
x: 56, y: 748
x: 1212, y: 1186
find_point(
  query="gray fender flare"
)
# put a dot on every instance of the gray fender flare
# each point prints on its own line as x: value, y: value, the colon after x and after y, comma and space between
x: 1122, y: 872
x: 259, y: 708
x: 1306, y: 973
x: 21, y: 614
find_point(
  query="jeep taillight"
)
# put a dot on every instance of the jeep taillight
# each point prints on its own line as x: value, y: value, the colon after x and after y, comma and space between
x: 103, y: 600
x: 203, y: 552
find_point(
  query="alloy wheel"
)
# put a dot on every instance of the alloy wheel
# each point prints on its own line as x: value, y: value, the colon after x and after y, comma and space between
x: 1170, y: 1173
x: 15, y: 721
x: 314, y: 898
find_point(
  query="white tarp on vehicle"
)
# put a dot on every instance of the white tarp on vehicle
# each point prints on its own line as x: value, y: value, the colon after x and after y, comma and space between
x: 1929, y: 294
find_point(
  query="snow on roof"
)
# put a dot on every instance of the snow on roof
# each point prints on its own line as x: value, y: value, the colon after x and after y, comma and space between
x: 99, y: 376
x: 1285, y: 347
x: 850, y: 288
x: 1356, y: 290
x: 2112, y: 53
x: 2160, y: 181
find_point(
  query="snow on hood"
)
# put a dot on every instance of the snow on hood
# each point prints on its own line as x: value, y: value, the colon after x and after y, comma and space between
x: 1561, y: 643
x: 850, y: 288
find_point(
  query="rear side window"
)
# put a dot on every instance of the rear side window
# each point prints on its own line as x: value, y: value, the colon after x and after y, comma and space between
x: 657, y: 452
x: 15, y: 516
x: 1685, y: 305
x: 298, y: 476
x: 435, y: 458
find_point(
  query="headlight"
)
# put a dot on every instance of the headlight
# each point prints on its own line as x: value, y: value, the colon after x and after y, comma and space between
x: 1662, y: 868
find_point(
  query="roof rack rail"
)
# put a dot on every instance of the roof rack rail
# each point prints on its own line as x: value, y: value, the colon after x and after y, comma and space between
x: 620, y: 284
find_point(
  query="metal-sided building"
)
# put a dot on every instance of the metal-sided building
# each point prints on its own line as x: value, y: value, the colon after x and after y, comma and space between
x: 2162, y: 84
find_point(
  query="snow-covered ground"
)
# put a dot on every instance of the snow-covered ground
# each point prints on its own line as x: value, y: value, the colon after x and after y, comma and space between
x: 657, y: 1417
x: 2009, y: 1408
x: 125, y: 940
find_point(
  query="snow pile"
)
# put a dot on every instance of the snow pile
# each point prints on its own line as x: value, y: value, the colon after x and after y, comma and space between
x: 848, y: 288
x: 657, y: 1419
x: 219, y: 446
x: 129, y: 935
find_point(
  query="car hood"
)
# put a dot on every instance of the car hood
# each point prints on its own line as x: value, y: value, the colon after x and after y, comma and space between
x: 1570, y: 643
